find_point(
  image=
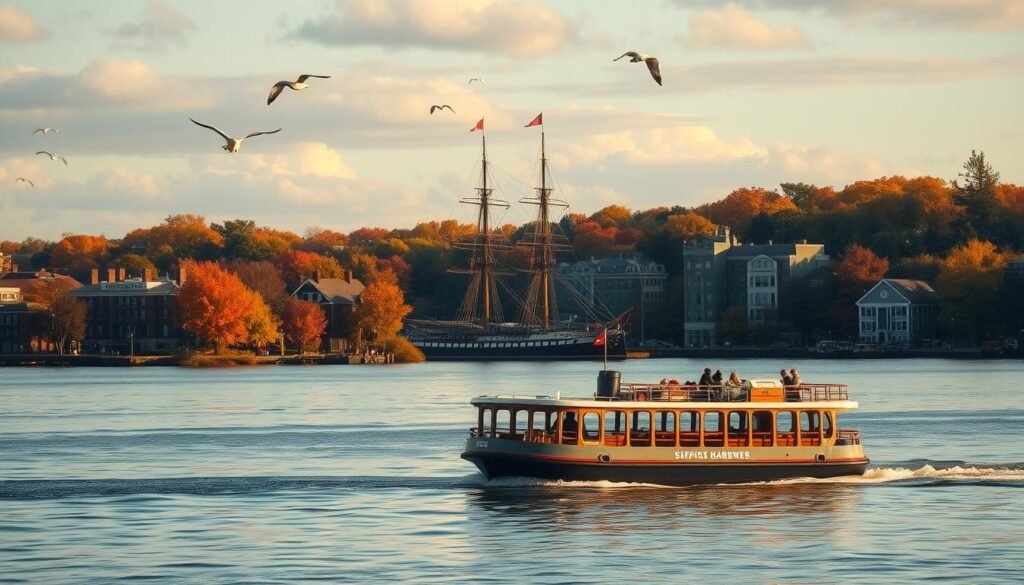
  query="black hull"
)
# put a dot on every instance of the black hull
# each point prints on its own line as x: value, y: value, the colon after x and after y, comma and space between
x: 678, y: 474
x: 522, y: 349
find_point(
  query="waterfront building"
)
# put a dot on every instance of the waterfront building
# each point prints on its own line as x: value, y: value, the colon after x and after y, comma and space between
x: 617, y: 285
x: 898, y: 310
x: 35, y: 285
x: 132, y: 315
x: 5, y: 263
x: 20, y: 323
x: 720, y: 272
x: 338, y: 298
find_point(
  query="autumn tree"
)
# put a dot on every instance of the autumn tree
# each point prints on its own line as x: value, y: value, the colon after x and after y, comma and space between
x: 296, y: 265
x: 977, y: 193
x: 78, y: 253
x: 244, y: 239
x: 134, y: 264
x: 382, y: 308
x: 188, y: 235
x: 684, y: 227
x: 612, y: 216
x: 262, y: 327
x: 741, y: 206
x: 215, y: 304
x: 969, y: 284
x: 322, y: 240
x: 65, y: 321
x: 858, y: 271
x: 303, y: 323
x: 264, y: 278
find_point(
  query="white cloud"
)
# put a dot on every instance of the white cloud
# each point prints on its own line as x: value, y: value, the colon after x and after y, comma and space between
x: 134, y: 84
x: 11, y: 169
x: 120, y: 180
x: 662, y: 146
x: 822, y: 164
x: 159, y: 25
x: 733, y: 27
x: 517, y: 28
x: 18, y: 26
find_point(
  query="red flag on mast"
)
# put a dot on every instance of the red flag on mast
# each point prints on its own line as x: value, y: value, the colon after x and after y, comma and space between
x: 479, y: 126
x: 538, y: 121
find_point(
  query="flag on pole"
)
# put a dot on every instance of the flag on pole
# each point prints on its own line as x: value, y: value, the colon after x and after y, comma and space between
x: 538, y: 121
x: 479, y: 126
x: 601, y: 339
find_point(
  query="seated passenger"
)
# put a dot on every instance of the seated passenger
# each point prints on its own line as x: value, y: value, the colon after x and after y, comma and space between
x: 734, y: 387
x: 787, y: 380
x: 705, y: 378
x: 795, y: 377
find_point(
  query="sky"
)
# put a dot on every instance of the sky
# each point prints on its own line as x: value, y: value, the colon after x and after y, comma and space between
x: 756, y: 93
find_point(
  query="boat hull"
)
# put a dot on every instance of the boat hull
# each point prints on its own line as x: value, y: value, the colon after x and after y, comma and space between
x: 673, y: 474
x: 525, y: 348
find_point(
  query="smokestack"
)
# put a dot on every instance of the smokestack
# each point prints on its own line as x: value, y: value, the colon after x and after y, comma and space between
x: 94, y: 278
x: 316, y: 276
x: 111, y: 275
x: 182, y: 275
x: 147, y: 275
x: 121, y: 274
x: 348, y: 276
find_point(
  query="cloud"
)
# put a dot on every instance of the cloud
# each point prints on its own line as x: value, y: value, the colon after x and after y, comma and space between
x: 516, y: 28
x: 11, y: 169
x: 662, y: 146
x: 973, y: 15
x: 18, y: 26
x: 158, y: 26
x: 735, y: 28
x: 119, y: 180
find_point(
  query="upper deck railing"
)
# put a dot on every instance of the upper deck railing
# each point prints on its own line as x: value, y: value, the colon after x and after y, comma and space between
x: 727, y: 393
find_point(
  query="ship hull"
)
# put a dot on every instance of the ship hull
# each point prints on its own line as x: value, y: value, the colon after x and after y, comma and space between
x: 674, y: 474
x: 530, y: 348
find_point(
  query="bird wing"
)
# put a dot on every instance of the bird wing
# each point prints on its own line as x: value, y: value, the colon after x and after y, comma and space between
x: 38, y: 130
x: 449, y: 107
x: 302, y: 78
x: 250, y: 135
x: 63, y: 159
x: 46, y: 153
x: 208, y: 127
x: 276, y: 91
x: 627, y: 54
x: 432, y: 108
x: 30, y: 183
x: 654, y: 68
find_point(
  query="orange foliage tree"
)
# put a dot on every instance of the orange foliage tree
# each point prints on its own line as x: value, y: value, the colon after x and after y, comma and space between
x: 612, y: 216
x: 743, y: 205
x: 686, y: 226
x: 858, y: 271
x: 80, y: 252
x: 215, y: 304
x: 382, y: 308
x: 969, y: 284
x: 296, y: 265
x: 303, y: 323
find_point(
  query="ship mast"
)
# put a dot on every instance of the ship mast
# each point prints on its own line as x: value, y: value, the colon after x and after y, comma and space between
x: 483, y: 245
x: 543, y: 260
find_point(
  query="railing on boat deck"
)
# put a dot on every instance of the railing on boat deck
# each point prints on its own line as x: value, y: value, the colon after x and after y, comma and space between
x: 848, y: 437
x: 723, y: 393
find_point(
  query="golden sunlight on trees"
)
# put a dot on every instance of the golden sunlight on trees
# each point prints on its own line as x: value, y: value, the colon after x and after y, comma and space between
x: 686, y: 226
x: 80, y: 252
x: 969, y: 284
x: 262, y: 327
x: 215, y: 304
x: 857, y: 272
x: 612, y: 216
x: 742, y: 205
x: 297, y: 265
x: 382, y: 308
x: 303, y: 323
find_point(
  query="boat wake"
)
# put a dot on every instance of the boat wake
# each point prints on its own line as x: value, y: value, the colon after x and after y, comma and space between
x: 924, y: 475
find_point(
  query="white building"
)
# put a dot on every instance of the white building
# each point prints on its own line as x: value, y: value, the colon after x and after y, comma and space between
x: 898, y: 310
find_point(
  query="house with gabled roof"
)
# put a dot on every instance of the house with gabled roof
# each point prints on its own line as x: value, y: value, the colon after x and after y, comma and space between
x: 338, y: 297
x: 898, y: 310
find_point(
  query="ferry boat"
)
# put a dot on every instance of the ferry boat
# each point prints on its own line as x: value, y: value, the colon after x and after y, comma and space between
x: 669, y: 434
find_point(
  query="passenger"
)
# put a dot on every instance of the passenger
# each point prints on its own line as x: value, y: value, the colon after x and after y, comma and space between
x: 787, y: 380
x: 569, y: 423
x: 734, y: 380
x: 734, y: 387
x: 705, y: 378
x: 717, y: 378
x: 795, y: 377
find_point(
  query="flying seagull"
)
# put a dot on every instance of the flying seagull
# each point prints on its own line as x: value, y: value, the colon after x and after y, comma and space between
x: 472, y: 79
x: 652, y: 63
x: 298, y: 84
x: 46, y: 130
x: 54, y: 156
x: 434, y: 108
x: 24, y: 180
x: 233, y: 144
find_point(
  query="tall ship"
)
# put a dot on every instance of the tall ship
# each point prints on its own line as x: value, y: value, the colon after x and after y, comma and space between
x: 668, y: 434
x: 480, y: 330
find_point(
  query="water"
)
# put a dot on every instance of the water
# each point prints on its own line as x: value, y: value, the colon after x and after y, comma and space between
x: 347, y: 474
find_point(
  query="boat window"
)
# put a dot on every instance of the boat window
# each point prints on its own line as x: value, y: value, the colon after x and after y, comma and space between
x: 761, y: 425
x: 502, y: 423
x: 591, y: 426
x: 828, y: 425
x: 689, y: 428
x: 615, y: 428
x: 738, y: 426
x: 485, y: 422
x: 714, y: 429
x: 785, y: 428
x: 665, y: 428
x: 570, y: 427
x: 640, y: 430
x: 522, y: 420
x: 810, y: 427
x: 544, y: 426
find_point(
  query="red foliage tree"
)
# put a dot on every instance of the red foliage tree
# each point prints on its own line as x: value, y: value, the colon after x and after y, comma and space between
x: 303, y: 323
x: 296, y: 265
x: 215, y: 304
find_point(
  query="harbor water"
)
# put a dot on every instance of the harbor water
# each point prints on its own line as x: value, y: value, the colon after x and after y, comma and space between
x: 346, y: 474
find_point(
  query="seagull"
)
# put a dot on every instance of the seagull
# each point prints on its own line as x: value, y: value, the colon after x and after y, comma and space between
x: 233, y: 143
x: 652, y: 63
x: 298, y: 84
x: 24, y: 180
x: 46, y: 130
x: 433, y: 108
x: 475, y: 79
x: 54, y: 156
